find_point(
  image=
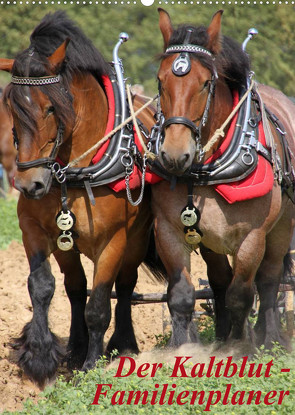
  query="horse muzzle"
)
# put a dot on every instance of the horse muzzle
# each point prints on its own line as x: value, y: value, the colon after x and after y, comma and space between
x: 33, y: 183
x: 178, y: 148
x: 175, y: 165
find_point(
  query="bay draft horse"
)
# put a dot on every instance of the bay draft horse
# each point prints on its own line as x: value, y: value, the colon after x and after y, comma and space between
x: 7, y: 148
x: 113, y: 233
x: 257, y: 232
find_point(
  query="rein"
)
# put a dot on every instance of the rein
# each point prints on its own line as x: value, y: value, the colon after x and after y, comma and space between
x: 220, y: 131
x: 110, y: 134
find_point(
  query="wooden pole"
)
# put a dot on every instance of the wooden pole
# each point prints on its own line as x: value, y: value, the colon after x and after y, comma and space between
x: 138, y: 298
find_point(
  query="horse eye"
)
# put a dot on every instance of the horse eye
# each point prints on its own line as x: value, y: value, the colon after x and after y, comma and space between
x: 206, y: 84
x: 50, y: 110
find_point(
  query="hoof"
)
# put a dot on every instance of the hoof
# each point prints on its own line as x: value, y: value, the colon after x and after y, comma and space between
x: 39, y: 358
x: 74, y: 360
x: 121, y: 346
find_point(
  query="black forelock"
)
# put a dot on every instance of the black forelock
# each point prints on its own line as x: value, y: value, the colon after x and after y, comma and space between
x: 81, y: 57
x: 232, y: 62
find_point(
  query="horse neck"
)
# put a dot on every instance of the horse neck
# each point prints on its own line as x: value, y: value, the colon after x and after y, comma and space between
x: 147, y: 115
x: 221, y: 107
x: 91, y: 109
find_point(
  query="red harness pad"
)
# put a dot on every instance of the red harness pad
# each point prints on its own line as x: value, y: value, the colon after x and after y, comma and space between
x: 257, y: 184
x: 135, y: 177
x: 111, y: 117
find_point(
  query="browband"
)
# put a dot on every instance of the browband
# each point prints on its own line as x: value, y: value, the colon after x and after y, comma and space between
x: 32, y: 81
x: 188, y: 48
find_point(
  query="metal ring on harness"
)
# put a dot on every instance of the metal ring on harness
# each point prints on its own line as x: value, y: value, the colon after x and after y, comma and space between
x: 244, y: 158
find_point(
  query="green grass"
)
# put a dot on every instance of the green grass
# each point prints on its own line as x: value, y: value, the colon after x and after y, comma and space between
x: 9, y: 228
x: 76, y: 396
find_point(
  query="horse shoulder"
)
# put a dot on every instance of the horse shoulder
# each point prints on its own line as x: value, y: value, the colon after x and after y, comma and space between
x: 282, y: 106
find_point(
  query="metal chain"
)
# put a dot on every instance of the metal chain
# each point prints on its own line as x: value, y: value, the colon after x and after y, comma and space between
x: 58, y: 172
x: 128, y: 191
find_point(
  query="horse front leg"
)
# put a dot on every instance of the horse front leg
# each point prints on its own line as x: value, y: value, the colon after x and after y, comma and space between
x: 123, y: 338
x: 98, y: 308
x: 39, y: 350
x: 220, y: 276
x: 76, y: 289
x: 175, y: 255
x: 240, y: 294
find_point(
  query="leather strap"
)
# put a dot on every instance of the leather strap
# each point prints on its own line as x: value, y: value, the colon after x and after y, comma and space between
x: 182, y: 120
x: 47, y: 161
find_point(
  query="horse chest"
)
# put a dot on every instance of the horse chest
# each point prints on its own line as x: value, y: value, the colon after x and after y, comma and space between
x: 224, y: 226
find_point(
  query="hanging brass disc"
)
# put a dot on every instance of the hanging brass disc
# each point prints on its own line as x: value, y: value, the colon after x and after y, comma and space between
x: 192, y: 237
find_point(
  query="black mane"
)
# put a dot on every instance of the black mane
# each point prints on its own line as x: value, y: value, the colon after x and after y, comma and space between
x: 52, y: 31
x: 232, y: 62
x: 81, y: 57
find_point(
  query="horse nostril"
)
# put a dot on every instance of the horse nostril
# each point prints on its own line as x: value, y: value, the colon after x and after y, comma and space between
x: 39, y: 186
x: 34, y: 190
x: 165, y: 158
x: 186, y: 157
x: 182, y: 160
x: 167, y: 162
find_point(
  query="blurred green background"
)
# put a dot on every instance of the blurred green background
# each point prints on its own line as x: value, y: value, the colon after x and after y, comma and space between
x: 272, y: 52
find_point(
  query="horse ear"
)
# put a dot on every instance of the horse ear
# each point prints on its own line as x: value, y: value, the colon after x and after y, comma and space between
x: 6, y: 64
x: 214, y: 33
x: 165, y: 26
x: 58, y: 56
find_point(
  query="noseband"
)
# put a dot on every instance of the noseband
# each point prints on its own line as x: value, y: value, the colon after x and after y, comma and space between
x: 182, y: 120
x: 183, y: 60
x: 45, y: 161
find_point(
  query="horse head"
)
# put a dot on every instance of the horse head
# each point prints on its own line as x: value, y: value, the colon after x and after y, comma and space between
x: 38, y: 128
x: 56, y: 86
x: 195, y: 98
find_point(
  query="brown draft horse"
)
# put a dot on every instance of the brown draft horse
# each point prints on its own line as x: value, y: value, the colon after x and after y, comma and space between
x: 257, y: 232
x: 7, y: 149
x: 113, y: 233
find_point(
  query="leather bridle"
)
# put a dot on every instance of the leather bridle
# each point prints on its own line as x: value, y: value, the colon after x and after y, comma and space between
x: 44, y: 161
x: 185, y: 50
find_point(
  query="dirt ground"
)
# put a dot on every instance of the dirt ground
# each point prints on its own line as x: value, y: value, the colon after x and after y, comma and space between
x: 16, y: 310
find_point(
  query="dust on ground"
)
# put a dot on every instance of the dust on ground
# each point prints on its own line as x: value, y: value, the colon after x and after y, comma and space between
x: 16, y: 311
